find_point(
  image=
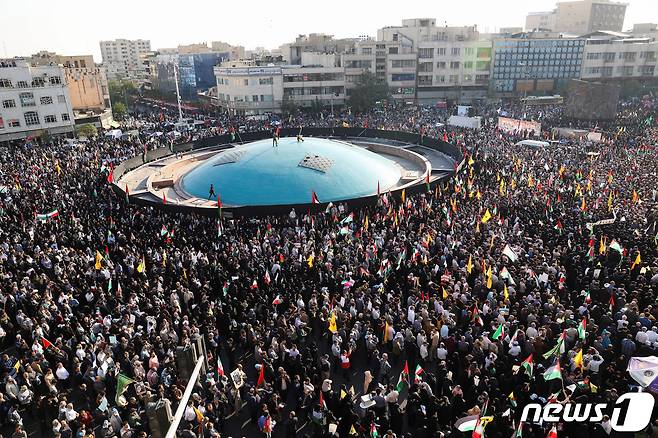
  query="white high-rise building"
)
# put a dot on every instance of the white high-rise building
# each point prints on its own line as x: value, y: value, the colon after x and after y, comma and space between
x: 33, y: 100
x: 121, y: 58
x: 579, y: 17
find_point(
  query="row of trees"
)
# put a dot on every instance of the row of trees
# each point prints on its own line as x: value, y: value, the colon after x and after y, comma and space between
x: 122, y: 94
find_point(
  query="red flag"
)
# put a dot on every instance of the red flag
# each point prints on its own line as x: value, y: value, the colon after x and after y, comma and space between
x: 314, y: 198
x: 277, y: 300
x: 552, y: 433
x: 46, y: 343
x: 164, y: 198
x: 266, y: 278
x: 219, y: 202
x: 261, y: 375
x: 322, y: 404
x: 220, y: 367
x: 110, y: 176
x: 445, y: 137
x: 612, y: 302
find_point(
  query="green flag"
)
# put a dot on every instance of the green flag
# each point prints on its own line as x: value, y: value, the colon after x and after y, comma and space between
x: 499, y: 331
x: 122, y: 385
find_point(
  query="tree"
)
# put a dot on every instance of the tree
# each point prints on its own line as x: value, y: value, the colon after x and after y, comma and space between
x: 87, y: 130
x: 288, y: 106
x: 121, y: 91
x: 119, y: 110
x: 368, y: 90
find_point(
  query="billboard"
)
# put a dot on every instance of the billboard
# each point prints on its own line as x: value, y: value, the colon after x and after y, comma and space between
x: 591, y: 100
x: 506, y: 124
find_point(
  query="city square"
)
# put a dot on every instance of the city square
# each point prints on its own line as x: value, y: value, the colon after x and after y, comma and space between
x: 432, y: 230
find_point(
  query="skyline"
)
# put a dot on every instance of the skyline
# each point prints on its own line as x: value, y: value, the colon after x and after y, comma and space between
x: 250, y: 27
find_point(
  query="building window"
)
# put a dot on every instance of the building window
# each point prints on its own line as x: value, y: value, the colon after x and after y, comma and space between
x: 441, y: 51
x: 46, y: 100
x: 14, y: 123
x: 440, y: 79
x: 54, y: 80
x: 31, y: 118
x: 10, y: 103
x: 366, y: 51
x: 469, y: 51
x: 455, y: 51
x: 609, y: 57
x: 27, y: 99
x: 441, y: 64
x: 468, y: 64
x: 427, y: 52
x: 50, y: 119
x: 453, y: 79
x: 403, y: 77
x: 246, y: 82
x: 65, y: 117
x: 61, y: 98
x: 454, y: 65
x: 22, y: 84
x: 266, y: 81
x: 5, y: 83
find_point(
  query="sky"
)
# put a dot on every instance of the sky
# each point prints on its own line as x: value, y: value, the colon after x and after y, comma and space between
x: 74, y: 27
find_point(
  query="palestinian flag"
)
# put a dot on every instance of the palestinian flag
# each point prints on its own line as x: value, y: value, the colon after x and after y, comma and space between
x: 581, y: 328
x: 127, y: 195
x: 254, y: 284
x: 612, y: 302
x: 528, y: 365
x: 220, y: 367
x: 417, y: 373
x: 373, y: 431
x: 404, y: 377
x: 554, y: 372
x: 616, y: 246
x: 122, y: 386
x: 314, y: 198
x: 500, y: 331
x: 558, y: 349
x: 348, y: 219
x: 476, y: 319
x: 266, y: 277
x: 588, y: 297
x: 45, y: 216
x: 225, y: 288
x: 466, y: 424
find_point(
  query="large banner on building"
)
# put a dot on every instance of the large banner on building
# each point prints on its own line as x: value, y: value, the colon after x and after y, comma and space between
x: 510, y: 125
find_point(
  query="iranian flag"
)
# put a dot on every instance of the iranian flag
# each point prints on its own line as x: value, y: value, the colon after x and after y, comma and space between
x: 500, y: 331
x: 45, y: 216
x: 277, y: 300
x: 528, y: 365
x: 404, y: 377
x: 417, y: 373
x: 373, y: 431
x: 581, y: 328
x: 554, y: 372
x: 267, y: 278
x: 552, y: 433
x: 225, y: 288
x: 314, y: 198
x: 588, y: 297
x: 220, y: 367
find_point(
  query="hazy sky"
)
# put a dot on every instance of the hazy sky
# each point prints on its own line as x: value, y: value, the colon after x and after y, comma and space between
x: 74, y: 27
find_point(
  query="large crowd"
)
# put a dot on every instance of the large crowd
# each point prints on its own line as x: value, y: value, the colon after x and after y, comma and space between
x: 404, y: 318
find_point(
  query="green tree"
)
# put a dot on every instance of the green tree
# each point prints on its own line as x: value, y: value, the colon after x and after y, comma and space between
x: 119, y: 110
x: 368, y: 90
x: 121, y: 91
x: 87, y: 130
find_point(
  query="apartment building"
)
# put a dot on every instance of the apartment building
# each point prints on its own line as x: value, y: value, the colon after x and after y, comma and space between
x: 452, y: 62
x: 316, y: 81
x: 579, y: 17
x: 616, y: 56
x: 33, y: 99
x: 246, y: 87
x: 121, y: 58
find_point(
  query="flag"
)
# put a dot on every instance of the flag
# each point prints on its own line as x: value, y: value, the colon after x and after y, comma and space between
x: 469, y: 265
x: 581, y: 329
x: 266, y: 277
x: 323, y: 405
x: 343, y: 394
x: 554, y: 371
x: 386, y: 327
x: 403, y: 196
x: 588, y: 297
x: 509, y: 252
x: 333, y: 328
x: 616, y: 246
x: 444, y: 293
x: 348, y: 219
x: 261, y: 376
x: 466, y: 424
x: 489, y: 278
x: 46, y: 343
x: 365, y: 223
x: 528, y: 366
x: 99, y: 257
x: 45, y: 216
x: 602, y: 246
x: 314, y: 198
x: 552, y: 433
x: 578, y: 360
x: 277, y: 300
x: 476, y: 319
x: 417, y: 373
x: 122, y: 385
x: 199, y: 415
x: 558, y: 349
x: 17, y: 365
x: 373, y: 431
x: 637, y: 261
x: 486, y: 217
x: 519, y: 430
x: 164, y: 198
x: 500, y: 331
x: 220, y: 367
x: 352, y: 430
x: 612, y: 302
x: 109, y: 285
x: 141, y: 267
x: 505, y: 293
x: 404, y: 378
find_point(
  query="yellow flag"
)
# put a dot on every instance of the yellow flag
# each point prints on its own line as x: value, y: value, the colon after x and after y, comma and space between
x: 332, y: 323
x: 505, y: 293
x: 199, y: 415
x: 578, y: 359
x: 343, y: 394
x: 17, y: 365
x: 386, y: 332
x: 404, y: 195
x: 637, y: 261
x: 365, y: 224
x: 492, y: 242
x: 99, y: 257
x: 471, y: 161
x: 636, y: 197
x: 602, y: 246
x: 489, y: 278
x: 309, y: 260
x: 610, y: 201
x: 142, y: 266
x: 487, y: 217
x: 445, y: 292
x: 352, y: 430
x: 469, y: 265
x: 531, y: 183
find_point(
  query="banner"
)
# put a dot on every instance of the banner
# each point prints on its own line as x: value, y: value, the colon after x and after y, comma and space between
x: 510, y: 125
x: 644, y: 370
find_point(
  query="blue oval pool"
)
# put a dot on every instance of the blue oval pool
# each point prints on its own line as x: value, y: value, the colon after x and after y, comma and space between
x: 259, y: 174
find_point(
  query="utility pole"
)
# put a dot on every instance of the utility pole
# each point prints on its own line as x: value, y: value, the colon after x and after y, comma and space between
x: 180, y: 111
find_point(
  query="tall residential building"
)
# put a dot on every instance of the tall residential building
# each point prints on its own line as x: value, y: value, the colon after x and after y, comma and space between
x: 121, y: 58
x: 315, y: 42
x: 611, y: 56
x: 452, y: 62
x: 580, y: 17
x: 234, y: 52
x: 535, y: 61
x: 33, y: 99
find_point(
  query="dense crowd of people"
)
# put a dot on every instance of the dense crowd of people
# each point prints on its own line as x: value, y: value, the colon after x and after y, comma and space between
x: 411, y: 317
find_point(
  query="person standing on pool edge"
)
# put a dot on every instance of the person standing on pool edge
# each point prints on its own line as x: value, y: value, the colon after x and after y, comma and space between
x: 211, y: 192
x: 275, y: 137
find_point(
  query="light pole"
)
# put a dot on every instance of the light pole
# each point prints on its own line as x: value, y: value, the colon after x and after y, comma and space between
x: 180, y: 111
